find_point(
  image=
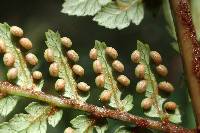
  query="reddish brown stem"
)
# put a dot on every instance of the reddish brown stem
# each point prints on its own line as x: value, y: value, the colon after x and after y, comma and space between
x: 96, y: 111
x: 190, y: 51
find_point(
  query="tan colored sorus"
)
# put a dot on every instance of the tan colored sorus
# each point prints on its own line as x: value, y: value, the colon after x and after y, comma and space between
x: 111, y: 52
x: 135, y: 56
x: 12, y: 73
x: 100, y: 80
x: 97, y: 67
x: 66, y: 42
x: 2, y: 46
x: 83, y: 86
x: 25, y: 43
x: 93, y: 54
x: 31, y: 59
x: 123, y: 80
x: 60, y: 85
x: 16, y: 31
x: 118, y: 66
x: 8, y: 59
x: 54, y: 69
x: 146, y: 103
x: 72, y: 55
x: 49, y: 55
x: 141, y: 86
x: 78, y: 70
x: 140, y: 71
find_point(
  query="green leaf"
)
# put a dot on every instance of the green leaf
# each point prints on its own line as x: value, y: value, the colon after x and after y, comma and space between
x: 195, y: 10
x: 175, y: 47
x: 54, y: 119
x: 65, y: 71
x: 33, y: 122
x: 85, y: 124
x: 170, y: 27
x: 40, y: 85
x: 110, y: 82
x: 176, y: 117
x: 36, y: 109
x: 169, y: 19
x: 128, y: 102
x: 152, y: 90
x: 112, y: 16
x: 83, y: 7
x: 24, y: 76
x: 101, y: 128
x: 7, y: 104
x: 123, y: 129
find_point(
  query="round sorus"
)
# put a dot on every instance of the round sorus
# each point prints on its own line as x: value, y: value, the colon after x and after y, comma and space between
x: 135, y: 56
x: 123, y: 80
x: 83, y: 86
x: 97, y: 67
x: 100, y: 80
x: 170, y: 106
x: 54, y: 69
x: 60, y: 85
x: 140, y: 71
x: 12, y: 73
x: 37, y: 75
x: 162, y: 70
x: 49, y: 55
x: 31, y: 59
x: 25, y: 43
x: 105, y: 95
x: 166, y: 86
x: 118, y: 66
x: 66, y: 42
x: 146, y: 103
x: 2, y: 46
x: 156, y: 57
x: 93, y: 54
x: 111, y: 52
x: 78, y: 70
x: 8, y: 59
x: 141, y: 86
x: 16, y: 31
x: 72, y: 55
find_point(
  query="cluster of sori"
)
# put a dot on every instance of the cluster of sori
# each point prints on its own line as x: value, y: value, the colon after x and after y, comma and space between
x: 54, y: 66
x: 98, y: 69
x: 143, y: 83
x: 9, y: 58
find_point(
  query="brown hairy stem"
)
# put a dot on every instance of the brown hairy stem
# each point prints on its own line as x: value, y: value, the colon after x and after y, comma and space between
x: 96, y: 111
x: 190, y: 51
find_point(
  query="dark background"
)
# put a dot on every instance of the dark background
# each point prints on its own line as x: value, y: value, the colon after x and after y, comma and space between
x: 37, y: 16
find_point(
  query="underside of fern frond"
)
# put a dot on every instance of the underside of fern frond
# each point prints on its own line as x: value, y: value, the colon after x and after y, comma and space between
x: 107, y: 64
x: 156, y: 93
x: 73, y: 94
x: 23, y: 78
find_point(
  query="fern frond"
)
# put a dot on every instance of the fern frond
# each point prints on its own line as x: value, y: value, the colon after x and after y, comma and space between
x: 152, y: 91
x: 34, y: 121
x: 65, y: 71
x: 111, y: 83
x: 23, y: 79
x: 110, y: 14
